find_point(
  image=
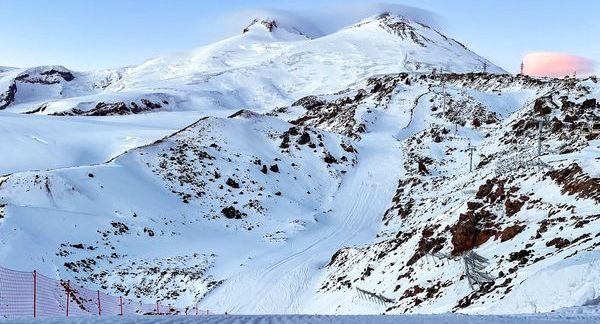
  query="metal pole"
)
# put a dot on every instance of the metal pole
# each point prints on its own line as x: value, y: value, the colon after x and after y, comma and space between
x: 541, y: 123
x: 157, y: 308
x: 68, y: 295
x: 471, y: 161
x: 443, y: 90
x: 196, y: 308
x: 539, y: 147
x: 34, y: 292
x: 99, y: 307
x: 121, y: 304
x: 471, y: 149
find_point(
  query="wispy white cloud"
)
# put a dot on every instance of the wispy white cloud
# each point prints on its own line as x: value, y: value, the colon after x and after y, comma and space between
x: 327, y: 19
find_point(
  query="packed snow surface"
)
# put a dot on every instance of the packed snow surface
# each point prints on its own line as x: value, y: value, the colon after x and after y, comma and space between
x: 581, y: 318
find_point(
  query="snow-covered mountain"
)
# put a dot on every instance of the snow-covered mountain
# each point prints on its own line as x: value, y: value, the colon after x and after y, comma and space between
x: 318, y: 169
x: 270, y: 64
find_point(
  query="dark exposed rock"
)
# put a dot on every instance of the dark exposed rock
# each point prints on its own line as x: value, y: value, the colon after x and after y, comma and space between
x: 329, y: 159
x: 285, y: 143
x: 232, y: 213
x: 293, y: 131
x: 269, y: 24
x: 510, y: 232
x: 541, y: 106
x: 274, y: 168
x: 473, y: 229
x: 66, y: 75
x: 576, y: 182
x: 558, y: 242
x: 338, y: 256
x: 113, y: 109
x: 8, y: 97
x: 232, y: 183
x: 401, y: 27
x: 513, y: 206
x: 422, y: 168
x: 589, y: 103
x: 521, y: 256
x: 304, y: 139
x: 309, y: 102
x: 491, y: 191
x: 412, y: 291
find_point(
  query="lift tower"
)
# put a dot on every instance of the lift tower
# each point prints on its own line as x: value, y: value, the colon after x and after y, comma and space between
x: 541, y: 122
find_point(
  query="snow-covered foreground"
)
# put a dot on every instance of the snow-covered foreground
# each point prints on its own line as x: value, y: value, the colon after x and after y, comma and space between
x: 587, y: 316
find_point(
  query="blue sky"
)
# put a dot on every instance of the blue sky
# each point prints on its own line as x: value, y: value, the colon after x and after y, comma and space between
x: 84, y: 35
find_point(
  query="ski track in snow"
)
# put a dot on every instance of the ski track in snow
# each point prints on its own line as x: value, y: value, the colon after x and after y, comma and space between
x: 284, y: 281
x: 292, y: 273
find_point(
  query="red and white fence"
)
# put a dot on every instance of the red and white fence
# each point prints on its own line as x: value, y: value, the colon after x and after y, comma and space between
x: 30, y: 294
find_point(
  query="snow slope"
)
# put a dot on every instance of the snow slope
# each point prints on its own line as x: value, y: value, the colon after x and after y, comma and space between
x: 536, y: 223
x: 213, y: 196
x: 356, y: 192
x: 36, y: 142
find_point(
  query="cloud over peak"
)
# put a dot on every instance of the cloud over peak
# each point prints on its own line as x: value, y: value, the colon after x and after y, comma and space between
x: 325, y: 20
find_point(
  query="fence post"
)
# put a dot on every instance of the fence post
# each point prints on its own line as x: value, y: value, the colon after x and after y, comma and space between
x: 157, y: 308
x: 207, y: 312
x: 196, y: 308
x: 99, y: 307
x: 34, y: 291
x: 68, y: 295
x: 121, y: 304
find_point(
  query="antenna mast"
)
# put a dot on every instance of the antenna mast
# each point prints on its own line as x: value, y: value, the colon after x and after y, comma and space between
x: 522, y: 67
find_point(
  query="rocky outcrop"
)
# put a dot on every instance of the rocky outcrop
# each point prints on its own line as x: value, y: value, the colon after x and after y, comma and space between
x: 113, y: 109
x: 8, y: 97
x: 574, y: 181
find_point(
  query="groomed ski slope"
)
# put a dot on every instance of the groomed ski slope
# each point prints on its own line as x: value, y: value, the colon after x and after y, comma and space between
x: 550, y: 318
x: 284, y: 280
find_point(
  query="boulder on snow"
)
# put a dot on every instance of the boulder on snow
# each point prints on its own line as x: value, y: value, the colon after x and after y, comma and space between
x: 232, y: 213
